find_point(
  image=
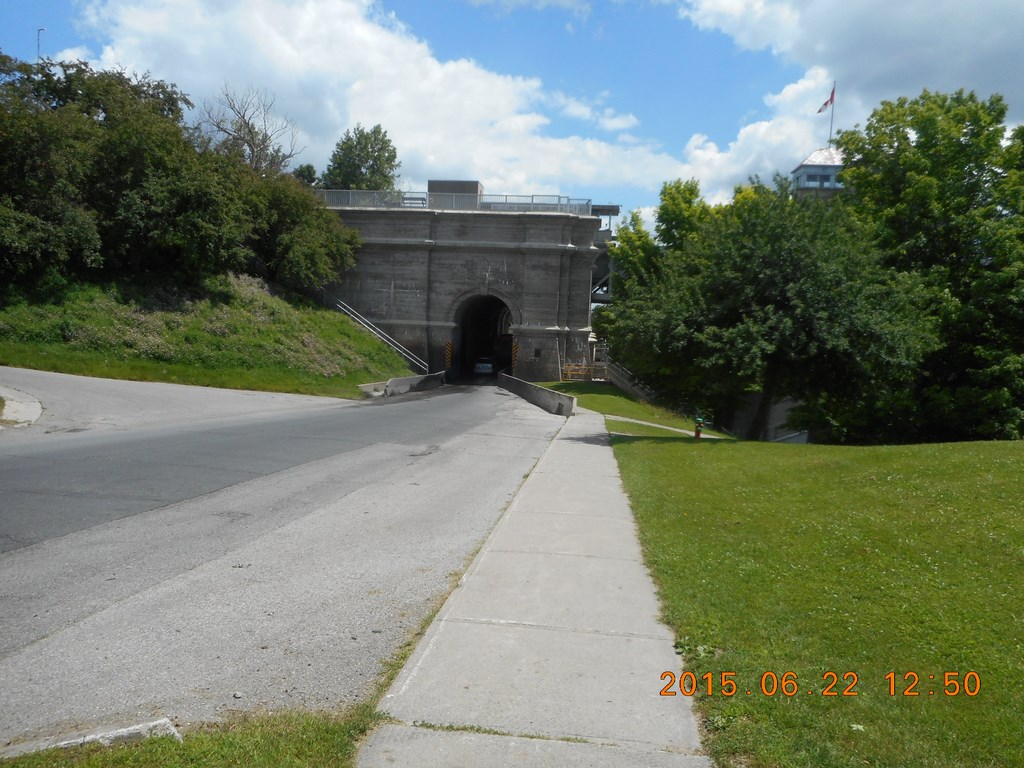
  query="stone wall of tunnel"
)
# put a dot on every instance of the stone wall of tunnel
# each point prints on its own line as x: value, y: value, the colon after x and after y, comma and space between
x: 422, y: 275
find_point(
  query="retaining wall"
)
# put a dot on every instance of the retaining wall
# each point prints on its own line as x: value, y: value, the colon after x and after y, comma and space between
x: 548, y: 399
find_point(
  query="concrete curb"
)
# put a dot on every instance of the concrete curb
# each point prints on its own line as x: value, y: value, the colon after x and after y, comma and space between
x: 131, y: 734
x: 161, y: 727
x: 19, y: 407
x: 687, y: 432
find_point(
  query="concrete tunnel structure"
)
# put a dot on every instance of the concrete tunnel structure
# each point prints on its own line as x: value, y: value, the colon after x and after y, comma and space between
x: 455, y: 275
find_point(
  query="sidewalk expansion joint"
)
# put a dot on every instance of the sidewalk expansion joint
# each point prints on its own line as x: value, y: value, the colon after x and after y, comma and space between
x: 605, y: 516
x: 495, y: 732
x: 600, y: 516
x: 628, y: 745
x: 610, y: 474
x: 582, y: 555
x: 549, y: 628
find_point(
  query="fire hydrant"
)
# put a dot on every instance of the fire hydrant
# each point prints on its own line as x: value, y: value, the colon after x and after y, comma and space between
x: 698, y: 426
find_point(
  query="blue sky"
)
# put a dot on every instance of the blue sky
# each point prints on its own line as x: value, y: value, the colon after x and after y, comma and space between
x: 648, y: 61
x: 605, y: 99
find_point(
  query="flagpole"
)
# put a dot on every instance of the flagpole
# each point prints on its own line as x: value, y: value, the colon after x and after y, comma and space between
x: 832, y: 113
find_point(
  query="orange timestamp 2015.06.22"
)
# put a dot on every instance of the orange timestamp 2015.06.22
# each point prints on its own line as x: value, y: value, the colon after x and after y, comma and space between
x: 908, y: 684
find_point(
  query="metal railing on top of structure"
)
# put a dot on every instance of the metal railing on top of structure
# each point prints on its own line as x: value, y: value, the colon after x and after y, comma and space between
x: 452, y: 201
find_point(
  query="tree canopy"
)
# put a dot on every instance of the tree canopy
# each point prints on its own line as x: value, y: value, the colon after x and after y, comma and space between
x: 363, y: 159
x: 306, y: 173
x: 769, y: 295
x: 894, y: 311
x: 101, y: 176
x: 941, y: 181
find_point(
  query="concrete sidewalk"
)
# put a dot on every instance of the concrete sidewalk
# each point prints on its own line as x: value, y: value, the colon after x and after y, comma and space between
x: 550, y: 651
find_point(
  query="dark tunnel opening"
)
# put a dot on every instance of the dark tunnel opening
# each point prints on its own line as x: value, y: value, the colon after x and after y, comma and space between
x: 485, y: 328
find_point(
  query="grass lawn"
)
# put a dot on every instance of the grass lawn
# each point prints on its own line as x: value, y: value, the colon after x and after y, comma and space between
x: 233, y: 332
x: 901, y: 565
x: 284, y: 740
x: 821, y: 560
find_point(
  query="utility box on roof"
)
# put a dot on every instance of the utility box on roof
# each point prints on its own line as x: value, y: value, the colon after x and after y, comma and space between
x: 455, y: 187
x: 454, y: 195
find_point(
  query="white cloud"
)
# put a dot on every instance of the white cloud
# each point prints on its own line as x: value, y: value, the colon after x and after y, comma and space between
x: 761, y: 148
x: 579, y: 7
x: 649, y: 217
x: 605, y: 118
x: 334, y: 63
x: 610, y: 120
x: 752, y: 23
x: 883, y: 49
x: 78, y: 53
x: 875, y: 49
x: 575, y: 108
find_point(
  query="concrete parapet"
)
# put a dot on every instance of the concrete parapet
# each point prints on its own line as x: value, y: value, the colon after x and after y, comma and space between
x: 549, y: 400
x: 406, y: 384
x: 373, y: 389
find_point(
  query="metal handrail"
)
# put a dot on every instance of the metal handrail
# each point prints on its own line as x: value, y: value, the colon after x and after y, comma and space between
x: 395, y: 345
x: 629, y: 378
x: 452, y: 201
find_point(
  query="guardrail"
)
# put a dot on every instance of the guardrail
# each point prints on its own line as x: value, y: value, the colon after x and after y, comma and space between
x: 577, y: 372
x: 451, y: 201
x: 553, y: 402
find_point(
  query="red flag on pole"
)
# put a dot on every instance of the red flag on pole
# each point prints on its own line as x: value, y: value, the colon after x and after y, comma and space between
x: 831, y: 100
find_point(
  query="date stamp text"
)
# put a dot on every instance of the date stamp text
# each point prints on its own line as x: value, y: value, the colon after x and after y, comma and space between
x: 909, y: 684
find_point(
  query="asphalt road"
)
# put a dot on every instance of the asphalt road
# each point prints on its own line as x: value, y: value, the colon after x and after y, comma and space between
x: 220, y: 551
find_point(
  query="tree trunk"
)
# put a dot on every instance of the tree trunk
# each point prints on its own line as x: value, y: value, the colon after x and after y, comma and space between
x: 759, y: 424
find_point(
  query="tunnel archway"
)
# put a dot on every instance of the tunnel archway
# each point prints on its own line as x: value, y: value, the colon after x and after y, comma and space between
x: 484, y: 329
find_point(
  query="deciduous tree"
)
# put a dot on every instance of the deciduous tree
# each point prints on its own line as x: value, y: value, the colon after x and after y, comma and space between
x: 244, y: 125
x: 301, y: 242
x: 943, y: 186
x: 306, y: 173
x: 100, y: 176
x: 363, y: 159
x: 775, y: 296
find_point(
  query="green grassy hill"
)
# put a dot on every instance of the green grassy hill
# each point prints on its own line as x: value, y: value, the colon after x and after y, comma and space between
x: 833, y: 606
x: 234, y: 332
x: 880, y: 581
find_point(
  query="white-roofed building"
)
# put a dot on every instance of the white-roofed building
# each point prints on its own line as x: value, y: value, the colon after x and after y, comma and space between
x: 817, y: 174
